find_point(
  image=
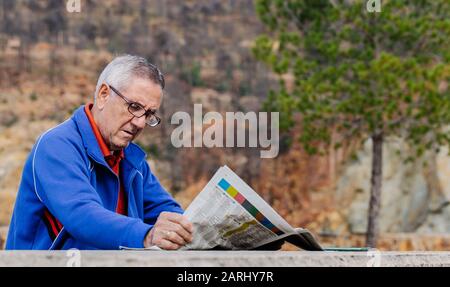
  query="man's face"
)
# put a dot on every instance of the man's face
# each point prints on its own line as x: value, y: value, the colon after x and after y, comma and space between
x: 116, y: 124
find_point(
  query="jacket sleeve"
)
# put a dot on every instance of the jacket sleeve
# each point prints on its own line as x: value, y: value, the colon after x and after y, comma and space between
x: 61, y: 179
x: 156, y: 198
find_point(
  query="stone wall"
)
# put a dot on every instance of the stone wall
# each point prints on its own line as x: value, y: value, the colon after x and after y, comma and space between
x: 222, y: 258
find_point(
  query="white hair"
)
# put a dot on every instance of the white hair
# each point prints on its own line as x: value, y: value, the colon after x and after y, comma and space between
x: 122, y: 69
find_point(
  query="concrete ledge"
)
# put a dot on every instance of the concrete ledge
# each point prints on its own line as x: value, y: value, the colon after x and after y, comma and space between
x: 223, y: 258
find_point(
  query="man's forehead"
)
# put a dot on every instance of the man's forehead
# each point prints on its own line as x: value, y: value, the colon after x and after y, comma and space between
x: 145, y: 92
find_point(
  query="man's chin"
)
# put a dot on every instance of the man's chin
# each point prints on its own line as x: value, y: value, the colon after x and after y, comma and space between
x: 120, y: 145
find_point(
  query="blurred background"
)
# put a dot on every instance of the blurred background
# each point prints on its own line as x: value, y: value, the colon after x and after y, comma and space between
x: 49, y: 63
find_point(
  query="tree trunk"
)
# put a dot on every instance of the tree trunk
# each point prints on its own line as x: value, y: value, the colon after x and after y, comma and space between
x: 375, y: 190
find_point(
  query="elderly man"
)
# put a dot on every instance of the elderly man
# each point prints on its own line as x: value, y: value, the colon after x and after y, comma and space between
x: 85, y: 184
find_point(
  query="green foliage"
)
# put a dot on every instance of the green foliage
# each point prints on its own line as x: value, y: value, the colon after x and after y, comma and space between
x: 193, y: 75
x: 222, y: 86
x: 360, y: 73
x: 151, y: 149
x: 33, y: 96
x: 244, y: 89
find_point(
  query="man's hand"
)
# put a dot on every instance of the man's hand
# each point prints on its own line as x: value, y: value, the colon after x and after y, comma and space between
x: 171, y: 231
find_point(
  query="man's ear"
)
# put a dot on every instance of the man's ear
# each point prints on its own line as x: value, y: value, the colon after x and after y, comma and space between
x: 102, y: 96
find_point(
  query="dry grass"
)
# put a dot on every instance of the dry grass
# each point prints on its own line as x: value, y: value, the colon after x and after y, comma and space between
x: 6, y: 207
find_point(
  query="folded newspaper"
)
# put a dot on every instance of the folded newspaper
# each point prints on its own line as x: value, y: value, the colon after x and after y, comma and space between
x: 229, y: 214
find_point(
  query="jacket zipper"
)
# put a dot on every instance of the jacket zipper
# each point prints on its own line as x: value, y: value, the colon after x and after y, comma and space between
x: 118, y: 193
x: 118, y: 181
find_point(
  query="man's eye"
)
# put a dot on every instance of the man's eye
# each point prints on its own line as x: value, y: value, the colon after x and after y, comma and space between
x: 135, y: 107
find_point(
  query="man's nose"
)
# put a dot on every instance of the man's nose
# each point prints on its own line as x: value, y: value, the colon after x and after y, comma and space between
x: 139, y: 122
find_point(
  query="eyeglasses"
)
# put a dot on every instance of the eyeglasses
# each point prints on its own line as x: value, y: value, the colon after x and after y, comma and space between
x: 138, y: 110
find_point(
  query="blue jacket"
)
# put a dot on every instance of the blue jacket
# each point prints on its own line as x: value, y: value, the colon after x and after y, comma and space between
x: 67, y: 175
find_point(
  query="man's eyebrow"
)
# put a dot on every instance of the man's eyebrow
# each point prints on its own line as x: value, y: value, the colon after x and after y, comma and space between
x: 143, y: 106
x: 138, y: 103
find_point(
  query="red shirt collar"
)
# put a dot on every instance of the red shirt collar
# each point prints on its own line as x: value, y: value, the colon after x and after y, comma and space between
x: 117, y: 155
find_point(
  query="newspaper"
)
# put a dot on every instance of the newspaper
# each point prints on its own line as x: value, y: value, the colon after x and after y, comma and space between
x: 229, y: 214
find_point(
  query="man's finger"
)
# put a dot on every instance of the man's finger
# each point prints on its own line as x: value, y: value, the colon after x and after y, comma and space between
x: 167, y: 219
x: 181, y: 231
x: 181, y: 219
x: 174, y: 237
x: 168, y: 245
x: 171, y: 216
x: 187, y: 224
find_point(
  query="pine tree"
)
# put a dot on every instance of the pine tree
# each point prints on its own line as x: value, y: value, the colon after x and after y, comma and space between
x: 361, y: 75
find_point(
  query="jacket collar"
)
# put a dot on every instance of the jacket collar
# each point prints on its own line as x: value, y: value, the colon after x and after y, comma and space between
x: 133, y: 153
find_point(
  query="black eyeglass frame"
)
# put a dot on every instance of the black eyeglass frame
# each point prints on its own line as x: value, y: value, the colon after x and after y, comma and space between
x: 146, y: 113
